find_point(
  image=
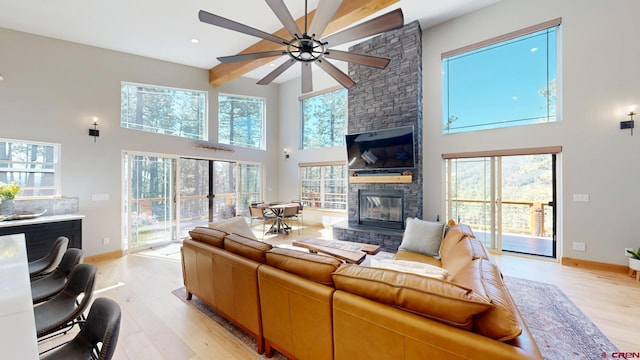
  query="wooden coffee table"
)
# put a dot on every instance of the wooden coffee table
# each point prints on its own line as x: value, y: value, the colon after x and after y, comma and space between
x: 348, y: 251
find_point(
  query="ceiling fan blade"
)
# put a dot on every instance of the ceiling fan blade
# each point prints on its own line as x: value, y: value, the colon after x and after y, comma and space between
x: 275, y: 73
x: 307, y: 82
x: 324, y: 13
x: 280, y: 9
x: 336, y: 73
x: 251, y: 56
x: 216, y: 20
x: 386, y: 22
x: 367, y: 60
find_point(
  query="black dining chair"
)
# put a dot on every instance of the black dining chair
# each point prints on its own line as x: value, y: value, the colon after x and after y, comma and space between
x: 98, y: 337
x: 59, y: 314
x: 49, y: 262
x: 45, y: 287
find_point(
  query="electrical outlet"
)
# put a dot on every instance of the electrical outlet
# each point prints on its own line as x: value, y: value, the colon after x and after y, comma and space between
x: 579, y: 246
x: 105, y: 241
x: 626, y: 253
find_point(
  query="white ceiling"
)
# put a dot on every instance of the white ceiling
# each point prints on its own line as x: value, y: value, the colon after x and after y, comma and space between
x: 163, y: 29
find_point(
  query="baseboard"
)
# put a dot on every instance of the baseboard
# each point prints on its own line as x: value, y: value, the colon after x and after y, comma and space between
x: 102, y: 257
x: 594, y: 265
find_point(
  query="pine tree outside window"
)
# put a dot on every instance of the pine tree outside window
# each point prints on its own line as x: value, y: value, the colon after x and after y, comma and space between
x: 241, y: 121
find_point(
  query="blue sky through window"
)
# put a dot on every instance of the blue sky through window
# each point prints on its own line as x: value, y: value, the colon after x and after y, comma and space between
x: 505, y: 84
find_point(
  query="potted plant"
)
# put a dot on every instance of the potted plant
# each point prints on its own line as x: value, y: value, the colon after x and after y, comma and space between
x: 8, y: 193
x: 634, y: 259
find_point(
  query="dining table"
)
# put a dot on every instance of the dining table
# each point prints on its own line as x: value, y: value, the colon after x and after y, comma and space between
x: 278, y: 209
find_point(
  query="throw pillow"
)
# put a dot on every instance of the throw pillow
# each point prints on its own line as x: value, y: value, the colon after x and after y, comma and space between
x: 422, y: 237
x: 236, y: 225
x: 412, y: 267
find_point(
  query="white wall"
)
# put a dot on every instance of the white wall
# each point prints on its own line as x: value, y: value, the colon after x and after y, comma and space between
x: 53, y: 88
x: 599, y: 77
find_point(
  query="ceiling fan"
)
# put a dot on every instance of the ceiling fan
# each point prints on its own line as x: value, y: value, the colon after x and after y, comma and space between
x: 306, y: 46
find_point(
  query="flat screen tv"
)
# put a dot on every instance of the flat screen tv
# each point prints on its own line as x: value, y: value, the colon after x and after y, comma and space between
x: 381, y: 149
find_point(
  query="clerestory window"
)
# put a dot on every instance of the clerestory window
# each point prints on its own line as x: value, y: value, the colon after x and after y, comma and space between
x: 164, y: 110
x: 324, y: 119
x: 241, y: 121
x: 510, y: 80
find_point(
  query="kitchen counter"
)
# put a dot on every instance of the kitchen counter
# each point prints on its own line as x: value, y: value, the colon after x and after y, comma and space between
x: 41, y: 232
x: 41, y: 220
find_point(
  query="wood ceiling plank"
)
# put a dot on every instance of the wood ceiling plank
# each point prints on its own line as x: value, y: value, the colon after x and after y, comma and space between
x: 348, y: 13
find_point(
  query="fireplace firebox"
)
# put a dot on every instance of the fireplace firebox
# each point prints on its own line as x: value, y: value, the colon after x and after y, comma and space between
x: 382, y: 208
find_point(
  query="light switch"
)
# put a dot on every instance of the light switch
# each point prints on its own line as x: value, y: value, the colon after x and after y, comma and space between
x: 100, y: 197
x: 581, y: 197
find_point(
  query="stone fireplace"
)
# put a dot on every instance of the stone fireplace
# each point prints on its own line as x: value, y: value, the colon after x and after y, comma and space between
x: 383, y: 208
x: 385, y: 99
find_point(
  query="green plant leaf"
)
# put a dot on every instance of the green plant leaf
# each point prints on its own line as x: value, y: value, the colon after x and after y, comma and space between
x: 634, y: 254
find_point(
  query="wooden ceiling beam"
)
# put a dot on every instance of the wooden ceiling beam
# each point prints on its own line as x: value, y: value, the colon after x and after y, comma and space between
x: 348, y: 13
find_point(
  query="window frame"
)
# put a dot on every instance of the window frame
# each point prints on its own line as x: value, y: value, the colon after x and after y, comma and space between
x: 303, y: 98
x: 322, y: 196
x: 263, y: 125
x: 203, y: 126
x: 552, y: 90
x: 57, y: 169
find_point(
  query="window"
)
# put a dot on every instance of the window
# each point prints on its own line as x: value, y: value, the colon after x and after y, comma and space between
x: 506, y: 81
x: 241, y: 121
x: 249, y: 185
x: 324, y: 186
x: 164, y: 110
x: 324, y: 119
x: 35, y: 166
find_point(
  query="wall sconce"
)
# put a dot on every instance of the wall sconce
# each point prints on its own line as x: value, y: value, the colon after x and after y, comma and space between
x: 286, y: 153
x: 94, y: 132
x: 629, y: 124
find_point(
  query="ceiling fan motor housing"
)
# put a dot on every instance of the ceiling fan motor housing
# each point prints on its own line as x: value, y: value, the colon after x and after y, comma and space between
x: 305, y: 49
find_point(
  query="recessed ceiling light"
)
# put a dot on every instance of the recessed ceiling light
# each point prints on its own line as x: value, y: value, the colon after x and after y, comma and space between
x: 195, y: 41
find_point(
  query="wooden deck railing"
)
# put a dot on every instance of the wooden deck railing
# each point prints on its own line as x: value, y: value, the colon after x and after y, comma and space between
x: 519, y: 217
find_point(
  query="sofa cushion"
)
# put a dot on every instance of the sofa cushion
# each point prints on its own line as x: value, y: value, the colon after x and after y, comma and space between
x: 453, y: 236
x: 437, y: 299
x: 412, y: 267
x: 411, y: 256
x: 501, y: 322
x: 479, y: 251
x: 314, y: 267
x: 249, y: 248
x: 209, y: 236
x: 422, y: 237
x: 458, y: 257
x: 235, y: 225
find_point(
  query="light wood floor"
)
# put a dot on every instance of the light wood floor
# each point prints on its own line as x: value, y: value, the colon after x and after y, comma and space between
x: 157, y: 325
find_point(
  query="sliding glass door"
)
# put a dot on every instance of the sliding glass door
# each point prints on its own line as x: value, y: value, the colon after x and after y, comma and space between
x: 507, y: 200
x: 150, y: 207
x: 161, y: 207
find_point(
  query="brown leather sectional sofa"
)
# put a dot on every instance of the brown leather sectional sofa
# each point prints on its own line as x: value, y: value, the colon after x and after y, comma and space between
x: 311, y: 306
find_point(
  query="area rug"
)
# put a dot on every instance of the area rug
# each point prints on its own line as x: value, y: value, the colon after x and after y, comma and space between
x: 560, y: 329
x: 242, y: 337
